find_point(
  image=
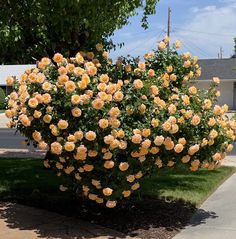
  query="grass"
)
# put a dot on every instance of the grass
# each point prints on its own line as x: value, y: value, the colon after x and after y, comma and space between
x: 179, y: 183
x: 26, y: 179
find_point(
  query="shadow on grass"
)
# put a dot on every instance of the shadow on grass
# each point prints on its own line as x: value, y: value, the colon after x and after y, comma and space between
x: 25, y: 181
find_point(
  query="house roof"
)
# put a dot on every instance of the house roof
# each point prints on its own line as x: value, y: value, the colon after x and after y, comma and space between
x: 12, y: 70
x: 222, y: 68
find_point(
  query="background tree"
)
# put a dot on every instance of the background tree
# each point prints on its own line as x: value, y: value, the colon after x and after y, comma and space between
x: 31, y: 29
x: 234, y: 55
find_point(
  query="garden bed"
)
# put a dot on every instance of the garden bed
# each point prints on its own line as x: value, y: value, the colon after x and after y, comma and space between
x: 164, y: 207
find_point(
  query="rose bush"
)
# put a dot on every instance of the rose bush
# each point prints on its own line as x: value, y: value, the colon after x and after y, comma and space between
x: 108, y: 125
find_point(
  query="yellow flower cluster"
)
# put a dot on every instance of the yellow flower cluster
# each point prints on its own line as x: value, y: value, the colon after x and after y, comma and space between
x: 106, y: 131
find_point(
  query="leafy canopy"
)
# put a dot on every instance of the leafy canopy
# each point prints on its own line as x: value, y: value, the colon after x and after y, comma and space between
x: 31, y: 29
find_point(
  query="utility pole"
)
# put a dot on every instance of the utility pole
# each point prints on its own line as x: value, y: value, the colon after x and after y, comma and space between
x: 221, y: 53
x: 168, y: 27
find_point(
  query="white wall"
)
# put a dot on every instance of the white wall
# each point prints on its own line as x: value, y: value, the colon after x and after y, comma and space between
x: 12, y: 70
x: 226, y: 90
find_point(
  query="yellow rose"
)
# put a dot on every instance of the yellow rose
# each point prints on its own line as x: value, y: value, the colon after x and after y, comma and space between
x: 92, y: 70
x: 178, y: 44
x: 138, y: 84
x: 82, y: 85
x: 107, y: 191
x: 103, y: 123
x: 56, y: 148
x: 110, y: 204
x: 135, y: 186
x: 33, y: 103
x: 193, y: 149
x: 185, y: 159
x: 123, y: 166
x: 136, y: 138
x: 192, y: 90
x: 69, y: 146
x: 10, y: 81
x: 75, y: 99
x: 58, y: 58
x: 159, y: 140
x: 98, y: 104
x: 213, y: 134
x: 47, y: 118
x: 169, y: 144
x: 90, y: 136
x: 216, y: 80
x: 104, y: 78
x: 130, y: 178
x: 182, y: 141
x: 178, y: 148
x: 166, y: 126
x: 62, y: 79
x: 109, y: 164
x: 146, y: 143
x: 108, y: 139
x: 63, y: 188
x: 114, y: 112
x: 126, y: 193
x: 70, y: 86
x: 62, y: 70
x: 62, y: 124
x: 154, y: 122
x: 42, y: 145
x: 46, y: 98
x: 118, y: 96
x: 78, y: 71
x: 37, y: 136
x: 229, y: 148
x: 195, y: 120
x: 92, y: 153
x: 76, y: 112
x: 217, y: 157
x: 162, y: 45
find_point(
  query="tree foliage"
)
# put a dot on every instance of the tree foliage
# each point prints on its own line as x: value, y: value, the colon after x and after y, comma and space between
x: 2, y: 98
x: 31, y: 29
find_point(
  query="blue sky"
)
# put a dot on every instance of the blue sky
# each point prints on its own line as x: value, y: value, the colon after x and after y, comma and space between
x: 202, y: 25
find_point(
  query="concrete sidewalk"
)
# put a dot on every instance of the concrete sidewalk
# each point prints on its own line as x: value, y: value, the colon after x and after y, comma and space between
x: 22, y: 222
x: 3, y: 120
x: 216, y: 219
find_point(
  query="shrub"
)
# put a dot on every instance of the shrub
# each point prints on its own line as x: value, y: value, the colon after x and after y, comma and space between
x: 110, y: 125
x: 2, y: 98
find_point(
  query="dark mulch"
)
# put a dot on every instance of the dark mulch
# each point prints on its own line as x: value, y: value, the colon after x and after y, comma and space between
x: 144, y: 218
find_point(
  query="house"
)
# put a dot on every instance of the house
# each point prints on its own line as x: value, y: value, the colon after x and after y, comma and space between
x: 11, y: 70
x: 225, y: 69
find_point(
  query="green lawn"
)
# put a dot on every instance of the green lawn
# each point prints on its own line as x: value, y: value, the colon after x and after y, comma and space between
x: 26, y: 179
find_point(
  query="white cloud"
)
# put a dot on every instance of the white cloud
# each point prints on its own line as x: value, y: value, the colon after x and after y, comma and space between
x: 210, y: 28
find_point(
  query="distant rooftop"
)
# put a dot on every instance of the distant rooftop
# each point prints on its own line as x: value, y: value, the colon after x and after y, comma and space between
x: 222, y: 68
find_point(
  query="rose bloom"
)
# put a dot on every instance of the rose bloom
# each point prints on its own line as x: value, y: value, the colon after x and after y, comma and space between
x: 159, y: 140
x: 110, y: 204
x: 169, y: 144
x: 109, y: 164
x: 126, y: 193
x: 154, y: 90
x: 78, y: 71
x: 33, y: 103
x: 46, y: 86
x: 178, y: 148
x: 162, y: 45
x: 216, y: 80
x: 88, y: 168
x: 79, y: 58
x: 142, y: 108
x: 151, y: 73
x: 75, y: 99
x: 118, y: 96
x: 58, y: 58
x: 213, y: 134
x: 98, y: 104
x: 62, y: 79
x: 211, y: 122
x: 107, y: 155
x: 107, y: 191
x: 92, y: 70
x: 10, y: 80
x: 47, y: 118
x: 90, y: 136
x: 103, y: 123
x: 193, y: 149
x: 123, y: 166
x: 76, y: 112
x: 111, y: 88
x: 37, y: 136
x: 104, y: 78
x: 166, y: 126
x: 146, y: 143
x: 69, y: 146
x: 178, y: 44
x: 56, y: 148
x: 155, y: 123
x: 114, y: 112
x: 154, y: 150
x: 185, y: 159
x: 135, y: 186
x: 195, y: 120
x: 123, y: 144
x: 101, y: 86
x: 173, y: 77
x: 46, y: 98
x: 217, y: 157
x: 62, y: 124
x: 63, y: 188
x: 42, y: 145
x: 108, y: 139
x: 138, y: 84
x: 217, y: 110
x: 146, y: 132
x: 182, y: 141
x: 130, y: 178
x: 121, y: 134
x: 172, y: 109
x: 187, y: 64
x: 70, y: 86
x: 192, y: 90
x: 136, y: 139
x: 62, y: 70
